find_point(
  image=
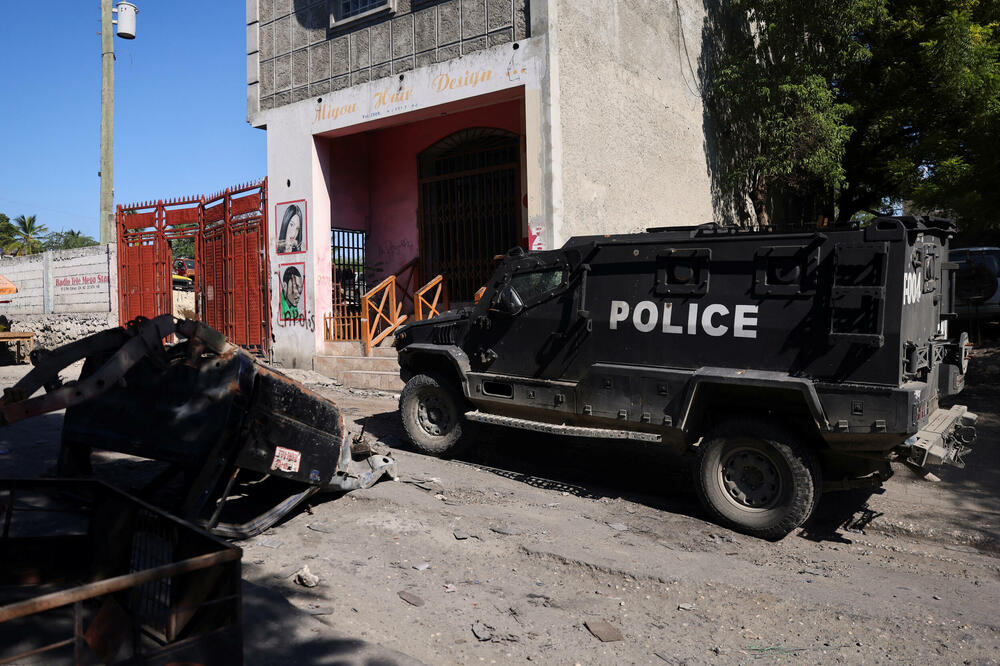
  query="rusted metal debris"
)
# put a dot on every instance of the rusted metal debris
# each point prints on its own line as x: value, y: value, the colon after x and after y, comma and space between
x: 222, y: 420
x: 89, y: 574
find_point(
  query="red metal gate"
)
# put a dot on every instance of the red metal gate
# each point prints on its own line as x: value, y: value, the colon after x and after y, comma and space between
x: 144, y: 276
x: 234, y: 244
x: 230, y: 232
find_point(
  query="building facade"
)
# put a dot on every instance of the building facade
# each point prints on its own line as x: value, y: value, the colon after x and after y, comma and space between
x: 444, y: 132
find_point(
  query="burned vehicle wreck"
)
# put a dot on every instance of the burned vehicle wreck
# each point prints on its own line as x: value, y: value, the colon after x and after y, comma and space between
x: 789, y: 363
x: 222, y: 422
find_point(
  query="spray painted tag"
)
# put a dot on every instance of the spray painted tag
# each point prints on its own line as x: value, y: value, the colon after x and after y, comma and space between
x: 286, y: 460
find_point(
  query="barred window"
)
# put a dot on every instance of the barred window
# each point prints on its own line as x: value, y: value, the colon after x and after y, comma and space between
x: 349, y: 8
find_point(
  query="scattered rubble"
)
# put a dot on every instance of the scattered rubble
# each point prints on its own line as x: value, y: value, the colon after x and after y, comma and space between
x: 605, y: 631
x: 483, y: 632
x: 306, y: 578
x: 411, y: 598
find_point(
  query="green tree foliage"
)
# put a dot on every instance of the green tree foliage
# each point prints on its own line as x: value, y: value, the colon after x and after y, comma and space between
x: 926, y: 108
x: 855, y: 103
x: 182, y: 247
x: 780, y: 127
x: 67, y: 240
x: 7, y: 231
x: 28, y: 235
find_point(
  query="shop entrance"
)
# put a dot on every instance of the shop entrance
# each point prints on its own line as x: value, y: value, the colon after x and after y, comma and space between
x: 469, y: 207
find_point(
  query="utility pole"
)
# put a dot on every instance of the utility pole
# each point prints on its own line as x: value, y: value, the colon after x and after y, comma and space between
x: 107, y: 220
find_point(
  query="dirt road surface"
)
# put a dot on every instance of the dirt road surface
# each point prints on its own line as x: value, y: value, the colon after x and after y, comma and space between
x: 510, y: 553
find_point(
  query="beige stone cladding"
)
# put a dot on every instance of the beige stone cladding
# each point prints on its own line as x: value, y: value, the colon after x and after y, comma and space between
x: 631, y: 115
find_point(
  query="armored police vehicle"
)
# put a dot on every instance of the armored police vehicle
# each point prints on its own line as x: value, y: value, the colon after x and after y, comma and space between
x: 789, y: 363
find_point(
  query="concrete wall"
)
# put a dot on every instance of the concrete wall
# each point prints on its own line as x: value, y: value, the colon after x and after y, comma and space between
x: 62, y: 295
x: 28, y: 275
x: 296, y: 50
x: 629, y: 115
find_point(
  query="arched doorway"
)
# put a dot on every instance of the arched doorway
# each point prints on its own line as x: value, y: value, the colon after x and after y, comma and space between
x: 469, y: 206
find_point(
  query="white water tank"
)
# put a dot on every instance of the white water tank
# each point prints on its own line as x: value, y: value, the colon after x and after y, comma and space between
x: 126, y: 20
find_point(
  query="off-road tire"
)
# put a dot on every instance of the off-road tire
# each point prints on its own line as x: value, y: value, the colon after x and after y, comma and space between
x: 743, y: 463
x: 432, y: 410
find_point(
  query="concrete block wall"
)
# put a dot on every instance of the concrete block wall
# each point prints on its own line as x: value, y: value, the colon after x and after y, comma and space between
x: 295, y: 52
x: 81, y: 281
x: 28, y: 275
x: 62, y: 296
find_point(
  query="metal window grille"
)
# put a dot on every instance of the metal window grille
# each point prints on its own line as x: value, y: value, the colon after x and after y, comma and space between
x: 347, y: 252
x: 152, y: 546
x: 470, y: 206
x: 349, y: 8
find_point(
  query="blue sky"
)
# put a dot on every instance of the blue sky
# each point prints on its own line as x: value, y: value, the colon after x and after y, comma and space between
x: 180, y: 107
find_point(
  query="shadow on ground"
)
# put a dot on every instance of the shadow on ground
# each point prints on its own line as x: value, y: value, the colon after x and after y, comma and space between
x: 276, y: 632
x: 651, y: 475
x: 592, y: 468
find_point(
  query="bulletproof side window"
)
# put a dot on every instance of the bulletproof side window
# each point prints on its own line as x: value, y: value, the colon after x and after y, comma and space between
x: 532, y: 286
x: 785, y: 270
x: 683, y: 272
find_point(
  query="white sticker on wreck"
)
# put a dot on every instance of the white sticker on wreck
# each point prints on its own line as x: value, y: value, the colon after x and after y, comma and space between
x: 286, y: 460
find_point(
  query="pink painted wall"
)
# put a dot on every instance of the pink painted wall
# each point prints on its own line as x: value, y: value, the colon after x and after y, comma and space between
x: 350, y: 172
x: 374, y: 178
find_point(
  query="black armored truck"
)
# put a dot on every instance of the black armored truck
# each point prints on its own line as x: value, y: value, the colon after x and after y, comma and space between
x: 790, y: 363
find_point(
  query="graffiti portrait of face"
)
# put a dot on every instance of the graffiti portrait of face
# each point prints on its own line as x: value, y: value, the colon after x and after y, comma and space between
x: 294, y: 231
x: 292, y: 284
x: 293, y: 290
x: 291, y: 227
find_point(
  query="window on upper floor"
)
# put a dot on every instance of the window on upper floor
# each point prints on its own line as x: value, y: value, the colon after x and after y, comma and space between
x: 346, y: 9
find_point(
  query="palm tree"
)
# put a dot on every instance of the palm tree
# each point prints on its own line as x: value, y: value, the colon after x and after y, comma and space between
x: 27, y: 235
x: 73, y: 239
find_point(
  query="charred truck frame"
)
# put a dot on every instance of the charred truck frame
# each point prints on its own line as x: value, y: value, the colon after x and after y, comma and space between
x: 222, y: 421
x: 790, y: 363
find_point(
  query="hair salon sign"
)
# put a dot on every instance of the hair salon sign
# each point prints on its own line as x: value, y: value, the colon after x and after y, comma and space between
x: 483, y: 72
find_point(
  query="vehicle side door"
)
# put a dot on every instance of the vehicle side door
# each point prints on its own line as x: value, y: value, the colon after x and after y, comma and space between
x: 530, y: 319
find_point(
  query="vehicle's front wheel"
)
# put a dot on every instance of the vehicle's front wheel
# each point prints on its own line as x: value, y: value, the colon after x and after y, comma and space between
x: 756, y: 478
x: 431, y: 408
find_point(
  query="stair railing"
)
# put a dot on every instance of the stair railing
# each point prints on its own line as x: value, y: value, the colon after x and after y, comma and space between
x: 431, y: 299
x: 406, y: 282
x: 378, y: 321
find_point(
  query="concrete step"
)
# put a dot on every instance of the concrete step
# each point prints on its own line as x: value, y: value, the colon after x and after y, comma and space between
x: 352, y: 348
x: 356, y: 349
x: 373, y: 379
x: 335, y: 366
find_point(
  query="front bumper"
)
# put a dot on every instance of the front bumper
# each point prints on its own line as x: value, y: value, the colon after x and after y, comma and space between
x: 945, y: 439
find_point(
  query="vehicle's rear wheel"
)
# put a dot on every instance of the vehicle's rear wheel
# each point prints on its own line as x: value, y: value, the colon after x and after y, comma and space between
x: 431, y: 408
x: 756, y: 478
